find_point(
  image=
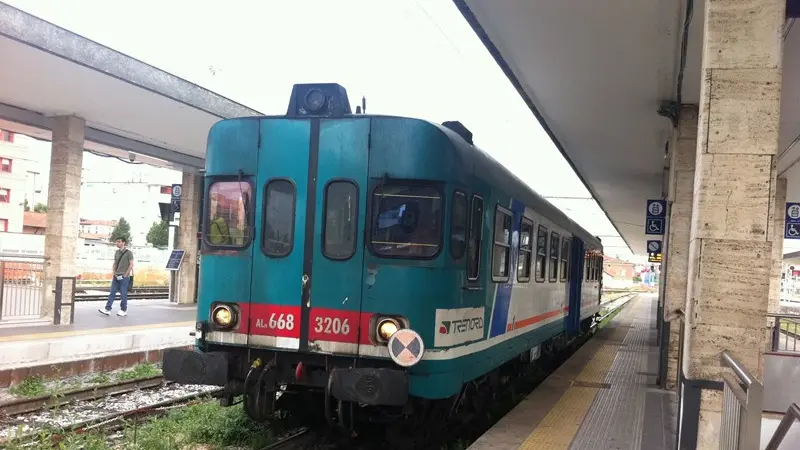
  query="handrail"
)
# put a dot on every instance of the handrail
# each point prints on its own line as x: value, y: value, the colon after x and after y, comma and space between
x: 792, y: 414
x: 740, y: 371
x: 784, y: 316
x: 742, y: 406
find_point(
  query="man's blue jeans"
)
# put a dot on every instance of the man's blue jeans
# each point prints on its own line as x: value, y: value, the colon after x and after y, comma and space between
x: 120, y: 286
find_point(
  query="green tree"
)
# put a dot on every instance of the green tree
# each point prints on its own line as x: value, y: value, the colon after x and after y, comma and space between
x: 158, y: 235
x: 26, y: 205
x: 121, y: 231
x: 39, y: 207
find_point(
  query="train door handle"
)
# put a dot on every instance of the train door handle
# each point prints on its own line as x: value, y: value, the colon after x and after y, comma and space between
x: 304, y: 280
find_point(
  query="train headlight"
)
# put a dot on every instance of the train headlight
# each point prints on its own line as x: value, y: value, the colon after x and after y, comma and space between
x: 387, y: 328
x: 223, y: 316
x: 315, y: 100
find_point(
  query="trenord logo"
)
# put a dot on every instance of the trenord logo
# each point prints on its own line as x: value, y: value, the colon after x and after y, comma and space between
x: 461, y: 326
x: 458, y: 326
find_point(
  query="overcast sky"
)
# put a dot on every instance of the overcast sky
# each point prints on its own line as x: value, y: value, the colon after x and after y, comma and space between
x: 414, y: 58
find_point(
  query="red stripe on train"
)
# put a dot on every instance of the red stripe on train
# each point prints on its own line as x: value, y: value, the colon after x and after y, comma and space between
x: 535, y: 319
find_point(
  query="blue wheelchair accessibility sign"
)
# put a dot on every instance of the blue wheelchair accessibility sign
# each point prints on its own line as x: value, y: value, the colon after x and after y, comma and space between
x: 792, y: 229
x: 654, y: 226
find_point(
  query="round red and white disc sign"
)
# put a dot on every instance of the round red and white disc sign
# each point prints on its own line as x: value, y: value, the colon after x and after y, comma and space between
x: 406, y: 347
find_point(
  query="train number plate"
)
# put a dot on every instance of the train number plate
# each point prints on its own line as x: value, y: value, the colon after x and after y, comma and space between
x: 275, y: 320
x: 333, y: 325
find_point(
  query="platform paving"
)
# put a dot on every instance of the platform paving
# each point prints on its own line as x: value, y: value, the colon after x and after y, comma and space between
x: 140, y: 312
x: 603, y: 397
x: 95, y: 342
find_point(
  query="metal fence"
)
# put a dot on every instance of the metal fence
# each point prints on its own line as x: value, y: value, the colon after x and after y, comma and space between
x: 742, y: 401
x: 785, y: 333
x: 21, y: 287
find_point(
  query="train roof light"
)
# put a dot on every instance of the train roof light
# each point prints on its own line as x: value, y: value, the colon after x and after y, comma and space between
x: 318, y: 99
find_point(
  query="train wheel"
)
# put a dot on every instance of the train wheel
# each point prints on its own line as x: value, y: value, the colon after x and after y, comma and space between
x: 259, y: 395
x: 259, y: 404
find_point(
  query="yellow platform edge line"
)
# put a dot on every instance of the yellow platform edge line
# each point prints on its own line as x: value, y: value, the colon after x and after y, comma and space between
x: 597, y: 368
x: 561, y: 424
x: 58, y: 334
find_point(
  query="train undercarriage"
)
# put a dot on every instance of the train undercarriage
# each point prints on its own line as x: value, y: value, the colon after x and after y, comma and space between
x: 345, y: 392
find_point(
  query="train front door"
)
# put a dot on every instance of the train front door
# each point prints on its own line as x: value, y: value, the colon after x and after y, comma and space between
x: 306, y: 283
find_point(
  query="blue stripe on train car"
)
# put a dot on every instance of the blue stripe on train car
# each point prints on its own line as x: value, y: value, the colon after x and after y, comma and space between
x: 502, y: 301
x: 575, y: 286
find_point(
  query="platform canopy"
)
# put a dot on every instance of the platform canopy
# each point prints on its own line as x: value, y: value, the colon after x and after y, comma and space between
x: 131, y: 109
x: 596, y: 75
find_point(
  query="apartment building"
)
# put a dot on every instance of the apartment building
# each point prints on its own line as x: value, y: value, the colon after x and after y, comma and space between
x: 16, y: 170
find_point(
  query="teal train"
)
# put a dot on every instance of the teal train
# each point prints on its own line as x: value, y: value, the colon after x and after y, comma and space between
x: 368, y: 266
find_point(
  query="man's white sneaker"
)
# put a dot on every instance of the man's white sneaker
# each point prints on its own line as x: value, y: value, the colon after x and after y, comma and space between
x: 122, y: 313
x: 104, y: 311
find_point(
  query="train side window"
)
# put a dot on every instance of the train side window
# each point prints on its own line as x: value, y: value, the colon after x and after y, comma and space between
x: 555, y: 244
x: 229, y: 213
x: 596, y: 269
x: 525, y: 250
x: 458, y: 225
x: 586, y: 273
x: 406, y: 221
x: 564, y: 258
x: 599, y: 267
x: 279, y: 206
x: 475, y: 239
x: 541, y: 254
x: 501, y: 251
x: 341, y: 220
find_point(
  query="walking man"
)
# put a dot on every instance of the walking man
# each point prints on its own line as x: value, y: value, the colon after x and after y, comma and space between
x: 121, y: 277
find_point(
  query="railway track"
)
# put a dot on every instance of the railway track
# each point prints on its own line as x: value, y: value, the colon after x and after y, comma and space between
x: 622, y: 301
x: 33, y: 404
x: 295, y: 440
x: 93, y: 408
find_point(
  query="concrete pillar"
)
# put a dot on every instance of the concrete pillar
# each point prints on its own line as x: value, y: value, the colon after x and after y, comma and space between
x: 730, y: 250
x: 63, y: 203
x: 188, y: 227
x: 681, y: 188
x: 775, y: 233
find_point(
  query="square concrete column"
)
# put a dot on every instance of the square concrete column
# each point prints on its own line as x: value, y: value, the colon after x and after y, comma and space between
x: 680, y: 196
x: 188, y: 227
x: 63, y: 218
x: 730, y: 249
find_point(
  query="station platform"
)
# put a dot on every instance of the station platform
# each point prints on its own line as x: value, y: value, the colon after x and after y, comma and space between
x: 604, y: 397
x: 95, y: 342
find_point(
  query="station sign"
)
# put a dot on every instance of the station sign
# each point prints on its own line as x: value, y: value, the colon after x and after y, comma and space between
x: 654, y: 251
x: 655, y: 217
x: 177, y: 190
x: 792, y: 228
